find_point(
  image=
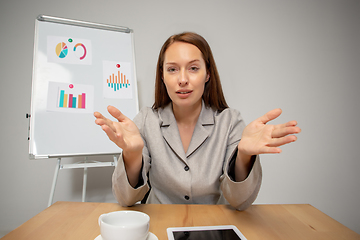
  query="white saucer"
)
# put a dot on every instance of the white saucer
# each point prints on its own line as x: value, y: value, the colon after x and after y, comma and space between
x: 151, y: 236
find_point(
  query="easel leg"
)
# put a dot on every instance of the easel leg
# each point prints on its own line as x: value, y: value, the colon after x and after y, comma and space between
x: 115, y: 160
x: 84, y: 182
x: 54, y: 182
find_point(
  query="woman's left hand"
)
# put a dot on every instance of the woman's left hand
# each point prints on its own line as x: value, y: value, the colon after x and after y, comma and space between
x: 259, y: 137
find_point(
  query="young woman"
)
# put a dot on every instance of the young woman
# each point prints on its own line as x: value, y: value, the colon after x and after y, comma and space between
x: 190, y: 146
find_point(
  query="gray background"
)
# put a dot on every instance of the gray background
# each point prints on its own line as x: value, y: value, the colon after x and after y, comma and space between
x: 301, y: 56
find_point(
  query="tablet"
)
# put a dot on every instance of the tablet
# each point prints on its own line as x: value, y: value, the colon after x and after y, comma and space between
x: 222, y: 232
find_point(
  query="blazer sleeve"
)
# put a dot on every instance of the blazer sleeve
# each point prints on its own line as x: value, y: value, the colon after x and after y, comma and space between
x: 242, y: 194
x: 124, y: 193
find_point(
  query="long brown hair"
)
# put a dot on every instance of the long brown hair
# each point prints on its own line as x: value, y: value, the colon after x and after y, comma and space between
x: 213, y: 95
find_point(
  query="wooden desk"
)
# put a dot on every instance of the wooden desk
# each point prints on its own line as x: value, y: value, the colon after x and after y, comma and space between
x: 78, y: 220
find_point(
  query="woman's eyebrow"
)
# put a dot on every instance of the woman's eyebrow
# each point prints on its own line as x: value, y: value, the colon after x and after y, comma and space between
x: 192, y: 61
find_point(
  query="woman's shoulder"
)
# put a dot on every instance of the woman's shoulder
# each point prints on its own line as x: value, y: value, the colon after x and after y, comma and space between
x: 146, y: 110
x: 228, y: 113
x: 146, y: 114
x: 229, y: 118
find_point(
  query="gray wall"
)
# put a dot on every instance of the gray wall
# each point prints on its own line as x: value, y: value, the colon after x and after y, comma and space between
x: 302, y: 56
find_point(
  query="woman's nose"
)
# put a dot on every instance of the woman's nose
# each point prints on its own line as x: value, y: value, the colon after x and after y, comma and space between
x: 183, y: 78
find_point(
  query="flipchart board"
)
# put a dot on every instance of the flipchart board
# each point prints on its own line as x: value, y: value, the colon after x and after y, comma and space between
x: 78, y: 68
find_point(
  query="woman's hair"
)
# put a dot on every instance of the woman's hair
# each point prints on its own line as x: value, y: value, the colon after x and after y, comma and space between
x: 213, y: 95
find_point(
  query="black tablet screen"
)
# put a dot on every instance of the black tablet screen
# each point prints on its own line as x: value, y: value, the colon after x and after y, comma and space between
x: 221, y: 234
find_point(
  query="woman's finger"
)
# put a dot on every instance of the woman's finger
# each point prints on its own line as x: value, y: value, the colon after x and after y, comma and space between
x: 116, y: 113
x: 284, y: 131
x: 101, y: 121
x: 288, y: 124
x: 271, y: 115
x: 114, y: 136
x: 277, y: 142
x: 266, y: 149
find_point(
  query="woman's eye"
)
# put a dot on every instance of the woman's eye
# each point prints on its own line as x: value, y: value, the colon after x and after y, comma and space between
x: 171, y: 69
x: 194, y: 69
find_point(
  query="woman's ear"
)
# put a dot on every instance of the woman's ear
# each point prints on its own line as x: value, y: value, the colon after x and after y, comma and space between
x: 207, y: 77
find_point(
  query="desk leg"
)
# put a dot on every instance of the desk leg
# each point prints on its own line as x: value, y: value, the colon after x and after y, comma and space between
x: 54, y: 182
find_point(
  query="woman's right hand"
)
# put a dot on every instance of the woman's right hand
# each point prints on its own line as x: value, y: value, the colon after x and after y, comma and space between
x: 123, y: 132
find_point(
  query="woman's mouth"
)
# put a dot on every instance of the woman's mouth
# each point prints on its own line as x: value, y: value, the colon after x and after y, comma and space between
x: 183, y: 93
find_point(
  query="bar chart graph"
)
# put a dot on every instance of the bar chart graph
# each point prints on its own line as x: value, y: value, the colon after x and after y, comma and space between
x: 72, y: 101
x: 118, y: 81
x: 70, y: 98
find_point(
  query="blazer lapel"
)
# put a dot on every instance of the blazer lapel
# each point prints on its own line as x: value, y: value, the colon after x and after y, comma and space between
x: 203, y: 129
x: 170, y: 131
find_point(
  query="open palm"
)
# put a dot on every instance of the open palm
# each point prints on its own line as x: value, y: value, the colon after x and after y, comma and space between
x: 259, y: 137
x: 123, y: 132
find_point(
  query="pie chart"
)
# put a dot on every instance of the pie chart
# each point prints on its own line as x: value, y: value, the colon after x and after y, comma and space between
x: 61, y: 50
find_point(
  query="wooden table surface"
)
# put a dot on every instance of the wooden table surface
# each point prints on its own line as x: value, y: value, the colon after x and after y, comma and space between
x: 78, y: 220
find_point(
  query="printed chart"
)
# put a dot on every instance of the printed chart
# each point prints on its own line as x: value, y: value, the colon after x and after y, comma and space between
x: 61, y: 50
x: 72, y: 98
x: 71, y: 101
x: 69, y: 50
x: 80, y: 52
x: 117, y: 80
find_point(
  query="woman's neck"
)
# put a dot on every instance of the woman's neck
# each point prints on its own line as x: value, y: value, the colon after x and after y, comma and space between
x: 186, y: 119
x: 187, y: 115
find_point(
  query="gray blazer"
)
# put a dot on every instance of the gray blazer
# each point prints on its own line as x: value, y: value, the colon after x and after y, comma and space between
x: 202, y: 175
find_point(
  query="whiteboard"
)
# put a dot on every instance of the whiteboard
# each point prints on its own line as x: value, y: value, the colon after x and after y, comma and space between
x: 78, y: 68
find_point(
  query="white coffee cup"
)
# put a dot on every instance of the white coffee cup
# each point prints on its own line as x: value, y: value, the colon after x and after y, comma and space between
x: 129, y: 225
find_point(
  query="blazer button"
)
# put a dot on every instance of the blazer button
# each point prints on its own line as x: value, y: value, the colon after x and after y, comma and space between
x: 187, y: 197
x: 186, y: 168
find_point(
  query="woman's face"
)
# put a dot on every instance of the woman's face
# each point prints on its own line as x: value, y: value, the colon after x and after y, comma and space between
x: 184, y: 74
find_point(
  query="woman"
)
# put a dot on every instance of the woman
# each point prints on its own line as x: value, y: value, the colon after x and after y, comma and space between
x: 190, y: 145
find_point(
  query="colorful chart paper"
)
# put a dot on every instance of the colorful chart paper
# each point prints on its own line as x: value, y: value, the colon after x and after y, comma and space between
x: 72, y: 98
x: 69, y: 50
x: 117, y: 80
